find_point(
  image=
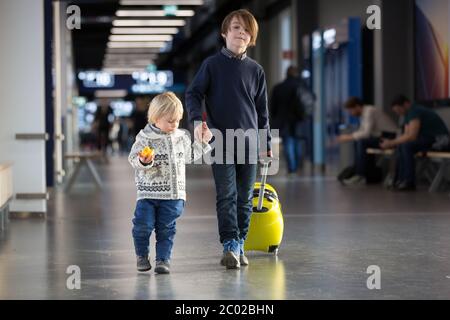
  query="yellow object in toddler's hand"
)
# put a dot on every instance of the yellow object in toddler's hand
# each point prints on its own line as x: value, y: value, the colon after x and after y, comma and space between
x: 146, y: 152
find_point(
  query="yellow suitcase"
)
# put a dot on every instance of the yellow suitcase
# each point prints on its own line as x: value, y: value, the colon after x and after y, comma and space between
x: 266, y: 222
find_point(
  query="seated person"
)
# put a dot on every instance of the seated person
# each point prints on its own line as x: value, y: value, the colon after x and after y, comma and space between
x: 374, y: 123
x: 423, y: 128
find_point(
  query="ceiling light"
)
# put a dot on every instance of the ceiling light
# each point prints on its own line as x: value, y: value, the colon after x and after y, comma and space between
x: 149, y: 23
x: 136, y: 44
x: 110, y: 93
x: 126, y: 70
x: 144, y: 30
x: 148, y: 61
x: 127, y: 66
x: 130, y: 56
x: 132, y: 50
x: 150, y: 37
x: 162, y: 2
x: 153, y: 13
x: 129, y: 61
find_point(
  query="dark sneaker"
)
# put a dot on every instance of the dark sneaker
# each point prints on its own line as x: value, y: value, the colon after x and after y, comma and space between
x: 162, y: 267
x: 143, y: 264
x: 405, y: 186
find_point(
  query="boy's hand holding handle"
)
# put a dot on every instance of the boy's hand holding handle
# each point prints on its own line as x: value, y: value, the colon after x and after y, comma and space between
x: 263, y: 155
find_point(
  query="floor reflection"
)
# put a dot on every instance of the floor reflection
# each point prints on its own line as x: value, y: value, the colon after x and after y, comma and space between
x: 265, y: 278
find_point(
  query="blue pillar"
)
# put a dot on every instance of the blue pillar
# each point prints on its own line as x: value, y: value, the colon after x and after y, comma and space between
x: 319, y: 117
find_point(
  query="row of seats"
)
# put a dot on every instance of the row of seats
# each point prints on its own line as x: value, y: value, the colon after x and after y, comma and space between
x: 443, y: 158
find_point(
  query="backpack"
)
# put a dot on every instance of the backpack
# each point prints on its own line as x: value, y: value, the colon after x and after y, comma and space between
x: 304, y: 102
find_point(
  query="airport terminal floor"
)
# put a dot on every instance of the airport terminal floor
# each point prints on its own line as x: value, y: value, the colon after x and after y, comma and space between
x: 332, y: 236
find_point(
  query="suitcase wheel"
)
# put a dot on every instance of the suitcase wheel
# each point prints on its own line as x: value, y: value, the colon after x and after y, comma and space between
x: 274, y: 250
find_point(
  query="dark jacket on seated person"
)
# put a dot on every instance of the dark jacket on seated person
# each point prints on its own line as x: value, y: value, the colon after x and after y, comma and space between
x: 431, y: 126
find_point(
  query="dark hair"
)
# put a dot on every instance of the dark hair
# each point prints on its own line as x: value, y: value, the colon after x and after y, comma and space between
x: 353, y: 102
x: 399, y: 100
x: 292, y: 71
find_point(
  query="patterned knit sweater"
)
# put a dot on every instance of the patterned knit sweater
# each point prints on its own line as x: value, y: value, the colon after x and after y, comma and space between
x: 164, y: 178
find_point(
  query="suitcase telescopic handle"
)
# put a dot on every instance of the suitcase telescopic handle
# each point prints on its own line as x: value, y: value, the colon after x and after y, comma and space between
x: 265, y: 162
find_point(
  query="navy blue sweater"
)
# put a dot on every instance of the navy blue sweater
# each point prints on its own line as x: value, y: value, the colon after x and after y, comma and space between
x: 235, y: 94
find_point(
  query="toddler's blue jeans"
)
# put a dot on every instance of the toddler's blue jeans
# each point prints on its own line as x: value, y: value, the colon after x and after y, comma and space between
x: 158, y: 215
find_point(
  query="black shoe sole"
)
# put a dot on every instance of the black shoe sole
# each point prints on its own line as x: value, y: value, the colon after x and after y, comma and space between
x: 144, y: 270
x: 161, y: 271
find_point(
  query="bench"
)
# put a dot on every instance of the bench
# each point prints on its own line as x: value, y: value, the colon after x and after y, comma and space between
x: 6, y: 192
x: 84, y: 159
x: 440, y: 156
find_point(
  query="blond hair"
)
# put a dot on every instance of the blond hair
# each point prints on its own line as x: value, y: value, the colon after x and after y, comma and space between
x: 165, y: 104
x: 249, y: 23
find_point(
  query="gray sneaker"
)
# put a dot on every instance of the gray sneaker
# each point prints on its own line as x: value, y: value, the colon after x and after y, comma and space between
x: 230, y: 260
x: 143, y: 264
x: 243, y: 260
x: 355, y: 181
x: 162, y: 267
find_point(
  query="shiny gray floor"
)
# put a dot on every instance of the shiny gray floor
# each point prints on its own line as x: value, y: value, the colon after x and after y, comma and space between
x: 332, y: 234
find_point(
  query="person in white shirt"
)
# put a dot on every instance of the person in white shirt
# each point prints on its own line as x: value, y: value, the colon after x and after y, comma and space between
x: 375, y: 124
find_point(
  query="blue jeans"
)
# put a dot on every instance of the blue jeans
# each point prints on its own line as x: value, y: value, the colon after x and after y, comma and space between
x: 158, y: 215
x: 406, y: 168
x: 292, y: 151
x: 364, y: 161
x: 234, y: 194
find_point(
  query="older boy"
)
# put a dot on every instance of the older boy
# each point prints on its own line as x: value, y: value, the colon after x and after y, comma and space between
x: 233, y: 87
